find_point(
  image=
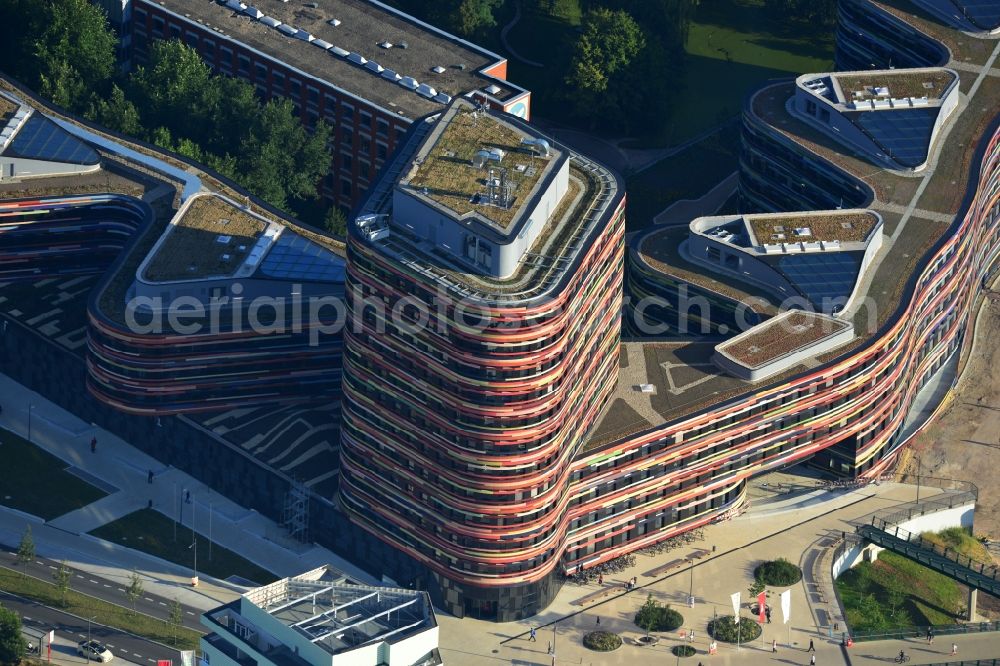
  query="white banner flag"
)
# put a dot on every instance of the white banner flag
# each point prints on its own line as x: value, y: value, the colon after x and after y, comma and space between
x: 786, y: 605
x: 736, y: 603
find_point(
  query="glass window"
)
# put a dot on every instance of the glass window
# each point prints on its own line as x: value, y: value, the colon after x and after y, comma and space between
x: 382, y: 127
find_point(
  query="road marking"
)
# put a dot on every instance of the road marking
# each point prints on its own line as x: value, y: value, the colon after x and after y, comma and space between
x: 106, y: 585
x: 137, y: 655
x: 152, y: 660
x: 27, y: 618
x: 82, y: 635
x: 51, y: 567
x: 109, y: 644
x: 80, y: 577
x: 147, y: 599
x: 94, y: 581
x: 189, y: 612
x: 160, y: 602
x: 121, y: 589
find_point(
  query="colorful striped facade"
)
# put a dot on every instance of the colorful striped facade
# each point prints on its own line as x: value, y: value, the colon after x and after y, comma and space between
x: 499, y: 537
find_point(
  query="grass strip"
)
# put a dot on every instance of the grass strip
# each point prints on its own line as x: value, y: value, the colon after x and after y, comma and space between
x: 152, y: 532
x: 103, y: 612
x: 36, y: 482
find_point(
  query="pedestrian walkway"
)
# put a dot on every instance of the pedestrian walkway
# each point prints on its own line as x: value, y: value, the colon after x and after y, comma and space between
x: 803, y: 529
x: 126, y: 469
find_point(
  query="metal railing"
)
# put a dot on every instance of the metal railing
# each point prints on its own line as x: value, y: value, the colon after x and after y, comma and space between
x: 964, y: 561
x: 921, y: 632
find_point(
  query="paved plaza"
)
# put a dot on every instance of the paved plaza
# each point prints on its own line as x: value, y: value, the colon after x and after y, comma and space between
x: 803, y: 528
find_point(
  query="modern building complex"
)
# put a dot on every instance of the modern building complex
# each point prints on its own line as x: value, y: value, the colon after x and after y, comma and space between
x: 321, y: 619
x: 458, y: 435
x: 496, y: 432
x: 364, y: 68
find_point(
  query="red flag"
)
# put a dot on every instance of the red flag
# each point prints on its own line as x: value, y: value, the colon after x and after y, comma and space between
x: 761, y: 607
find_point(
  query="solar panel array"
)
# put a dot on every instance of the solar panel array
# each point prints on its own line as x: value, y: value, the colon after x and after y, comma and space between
x: 984, y: 13
x: 822, y: 275
x: 295, y: 257
x: 42, y: 139
x: 904, y: 133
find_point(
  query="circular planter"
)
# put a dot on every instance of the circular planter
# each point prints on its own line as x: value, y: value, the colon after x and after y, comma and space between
x: 648, y: 641
x: 602, y: 641
x: 683, y: 651
x: 724, y: 629
x: 778, y: 573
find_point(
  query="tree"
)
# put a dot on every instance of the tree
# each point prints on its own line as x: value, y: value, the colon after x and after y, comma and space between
x: 756, y: 587
x: 465, y: 17
x: 26, y: 550
x: 335, y: 221
x: 12, y: 644
x: 75, y: 52
x: 117, y: 113
x: 648, y: 615
x: 62, y: 577
x: 134, y: 589
x: 175, y: 618
x: 610, y: 40
x: 281, y: 160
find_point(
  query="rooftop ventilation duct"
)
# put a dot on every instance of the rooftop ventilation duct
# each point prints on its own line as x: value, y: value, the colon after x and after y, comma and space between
x: 409, y: 83
x: 373, y: 66
x: 253, y: 12
x: 343, y: 53
x: 537, y: 146
x: 492, y: 89
x: 322, y: 43
x: 437, y: 69
x: 426, y: 90
x: 357, y: 58
x: 334, y: 22
x: 390, y: 75
x: 444, y: 98
x: 289, y: 30
x: 385, y: 45
x: 272, y: 22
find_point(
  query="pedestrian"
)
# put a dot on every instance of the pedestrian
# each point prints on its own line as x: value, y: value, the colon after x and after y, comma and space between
x: 767, y: 613
x: 93, y: 445
x: 812, y: 648
x: 531, y: 636
x: 774, y: 645
x: 691, y: 636
x: 600, y: 579
x: 149, y: 476
x: 930, y: 636
x: 954, y: 648
x: 812, y: 660
x: 598, y: 620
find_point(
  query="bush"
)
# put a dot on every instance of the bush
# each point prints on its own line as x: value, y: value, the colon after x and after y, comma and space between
x: 683, y: 651
x: 602, y: 641
x: 724, y: 629
x: 778, y: 573
x: 654, y: 616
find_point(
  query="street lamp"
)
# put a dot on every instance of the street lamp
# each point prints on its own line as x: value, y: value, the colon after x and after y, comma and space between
x: 194, y: 545
x: 86, y: 655
x: 691, y: 585
x: 917, y: 456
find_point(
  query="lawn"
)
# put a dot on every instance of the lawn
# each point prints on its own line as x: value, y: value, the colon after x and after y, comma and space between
x: 895, y: 592
x: 687, y: 175
x: 103, y: 612
x: 961, y: 541
x: 152, y: 532
x: 733, y: 47
x: 36, y: 482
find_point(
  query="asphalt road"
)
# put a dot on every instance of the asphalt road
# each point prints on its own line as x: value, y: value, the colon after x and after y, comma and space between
x: 74, y: 629
x: 107, y: 590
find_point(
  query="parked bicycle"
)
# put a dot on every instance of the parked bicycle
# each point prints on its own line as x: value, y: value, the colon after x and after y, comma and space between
x: 902, y: 658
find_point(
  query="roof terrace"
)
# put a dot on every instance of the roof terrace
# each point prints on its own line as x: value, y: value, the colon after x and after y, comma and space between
x: 789, y: 336
x: 930, y: 83
x: 210, y: 236
x: 454, y: 167
x: 822, y: 226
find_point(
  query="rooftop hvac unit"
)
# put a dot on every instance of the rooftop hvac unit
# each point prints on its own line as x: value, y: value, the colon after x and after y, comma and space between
x: 492, y: 89
x: 385, y: 45
x: 356, y: 58
x: 437, y: 69
x: 334, y: 22
x: 409, y: 83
